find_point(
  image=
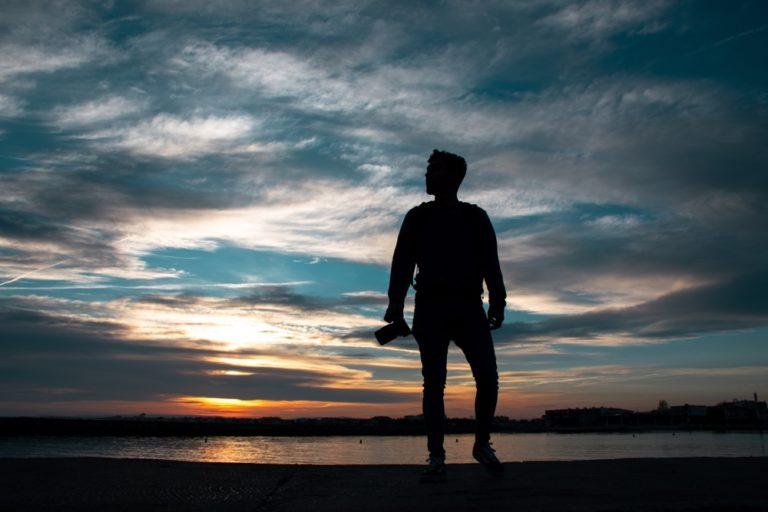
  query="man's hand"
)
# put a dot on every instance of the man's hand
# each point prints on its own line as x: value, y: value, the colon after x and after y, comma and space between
x: 495, y: 316
x: 394, y: 313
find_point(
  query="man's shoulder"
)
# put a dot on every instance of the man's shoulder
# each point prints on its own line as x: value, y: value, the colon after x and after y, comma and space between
x: 420, y: 208
x: 430, y: 205
x: 471, y: 206
x: 473, y: 209
x: 415, y: 214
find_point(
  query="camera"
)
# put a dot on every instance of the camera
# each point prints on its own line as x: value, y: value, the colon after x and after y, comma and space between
x: 391, y: 331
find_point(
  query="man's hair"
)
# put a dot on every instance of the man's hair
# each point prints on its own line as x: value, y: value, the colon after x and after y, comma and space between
x: 451, y: 163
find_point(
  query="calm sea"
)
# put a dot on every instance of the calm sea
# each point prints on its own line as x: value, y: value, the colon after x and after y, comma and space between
x: 394, y: 449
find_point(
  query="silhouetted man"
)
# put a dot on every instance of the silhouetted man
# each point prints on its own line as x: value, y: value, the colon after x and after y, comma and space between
x: 454, y: 246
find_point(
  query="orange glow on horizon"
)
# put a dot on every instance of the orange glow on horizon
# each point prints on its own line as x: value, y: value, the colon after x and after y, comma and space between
x: 459, y: 402
x: 235, y: 407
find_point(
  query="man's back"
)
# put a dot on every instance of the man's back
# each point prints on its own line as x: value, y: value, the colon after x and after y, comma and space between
x: 454, y: 246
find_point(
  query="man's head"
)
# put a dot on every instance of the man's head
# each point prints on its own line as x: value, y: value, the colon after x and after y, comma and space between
x: 445, y: 172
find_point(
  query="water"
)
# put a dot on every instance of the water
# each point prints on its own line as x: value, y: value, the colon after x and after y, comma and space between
x: 394, y: 449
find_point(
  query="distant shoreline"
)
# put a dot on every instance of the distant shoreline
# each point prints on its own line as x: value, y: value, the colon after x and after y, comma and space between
x: 199, y: 427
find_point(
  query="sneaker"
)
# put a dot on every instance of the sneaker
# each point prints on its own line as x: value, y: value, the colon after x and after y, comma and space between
x: 435, y: 470
x: 486, y: 456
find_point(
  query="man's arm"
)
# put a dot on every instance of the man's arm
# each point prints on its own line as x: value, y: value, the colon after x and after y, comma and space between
x: 497, y: 293
x: 403, y: 263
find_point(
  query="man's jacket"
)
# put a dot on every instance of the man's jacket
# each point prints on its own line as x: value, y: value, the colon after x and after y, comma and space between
x: 454, y: 247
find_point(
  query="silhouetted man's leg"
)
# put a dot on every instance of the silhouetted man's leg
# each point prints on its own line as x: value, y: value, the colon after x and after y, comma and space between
x: 474, y: 339
x: 433, y: 348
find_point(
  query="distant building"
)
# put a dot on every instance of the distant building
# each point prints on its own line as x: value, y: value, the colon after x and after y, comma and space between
x: 733, y: 414
x: 587, y: 417
x: 740, y: 411
x: 687, y: 414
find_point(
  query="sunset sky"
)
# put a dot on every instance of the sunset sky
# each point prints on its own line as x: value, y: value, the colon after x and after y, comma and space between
x: 200, y: 200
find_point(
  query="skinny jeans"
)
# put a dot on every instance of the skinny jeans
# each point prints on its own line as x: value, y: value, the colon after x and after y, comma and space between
x: 437, y: 321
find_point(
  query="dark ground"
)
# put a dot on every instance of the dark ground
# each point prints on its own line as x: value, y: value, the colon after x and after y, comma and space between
x: 732, y: 484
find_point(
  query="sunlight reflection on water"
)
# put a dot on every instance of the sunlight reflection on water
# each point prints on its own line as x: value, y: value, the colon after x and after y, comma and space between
x: 391, y: 449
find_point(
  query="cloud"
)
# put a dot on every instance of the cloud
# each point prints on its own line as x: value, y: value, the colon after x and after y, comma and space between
x: 298, y: 218
x: 396, y: 93
x: 31, y: 272
x: 276, y: 295
x: 602, y: 18
x: 9, y: 106
x: 101, y: 359
x: 43, y: 38
x: 18, y: 60
x: 96, y: 111
x: 268, y: 315
x: 169, y: 136
x: 734, y: 304
x: 39, y: 245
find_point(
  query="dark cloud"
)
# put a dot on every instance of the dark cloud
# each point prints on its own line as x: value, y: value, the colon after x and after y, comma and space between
x: 270, y: 295
x: 86, y: 247
x: 98, y: 359
x: 281, y: 296
x: 576, y: 249
x: 735, y: 304
x: 651, y: 143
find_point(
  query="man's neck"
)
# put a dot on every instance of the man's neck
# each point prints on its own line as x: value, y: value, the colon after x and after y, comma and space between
x: 446, y: 199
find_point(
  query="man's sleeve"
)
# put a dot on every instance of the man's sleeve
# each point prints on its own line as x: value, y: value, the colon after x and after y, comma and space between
x: 403, y: 262
x: 497, y: 293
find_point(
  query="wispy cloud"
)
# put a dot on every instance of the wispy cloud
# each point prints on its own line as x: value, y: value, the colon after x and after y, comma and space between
x: 96, y: 111
x: 170, y: 136
x: 10, y: 106
x: 601, y: 18
x: 738, y: 303
x: 19, y: 60
x: 29, y: 273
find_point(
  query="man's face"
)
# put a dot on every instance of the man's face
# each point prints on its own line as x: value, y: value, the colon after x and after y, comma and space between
x: 438, y: 180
